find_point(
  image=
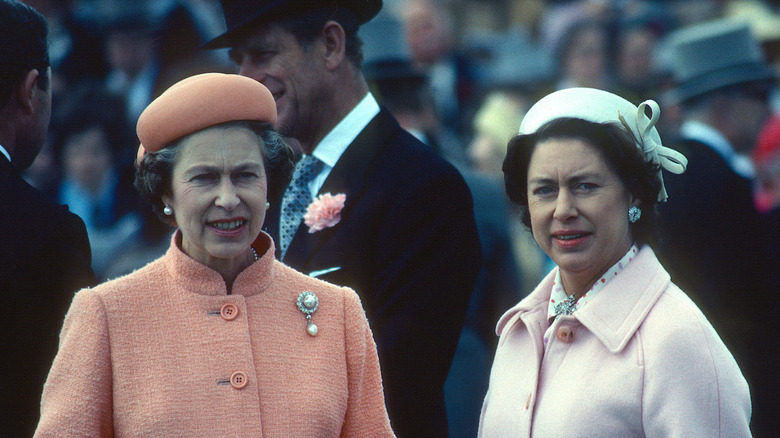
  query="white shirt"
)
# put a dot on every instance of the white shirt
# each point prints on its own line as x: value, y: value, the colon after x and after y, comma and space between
x: 740, y: 164
x: 5, y: 152
x: 330, y: 149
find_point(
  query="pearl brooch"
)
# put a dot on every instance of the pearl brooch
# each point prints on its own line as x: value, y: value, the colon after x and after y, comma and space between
x: 308, y: 303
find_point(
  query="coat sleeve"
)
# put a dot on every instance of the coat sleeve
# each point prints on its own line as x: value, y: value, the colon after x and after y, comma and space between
x: 693, y: 387
x: 366, y: 412
x: 77, y: 396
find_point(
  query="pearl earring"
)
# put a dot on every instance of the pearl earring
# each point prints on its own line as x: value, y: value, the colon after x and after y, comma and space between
x: 267, y: 205
x: 167, y: 210
x: 634, y: 213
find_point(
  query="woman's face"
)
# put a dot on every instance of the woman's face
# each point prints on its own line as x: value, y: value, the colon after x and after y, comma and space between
x: 86, y: 158
x: 578, y: 208
x: 218, y: 194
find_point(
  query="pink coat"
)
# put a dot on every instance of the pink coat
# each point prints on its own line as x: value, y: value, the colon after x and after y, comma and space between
x: 639, y: 360
x: 151, y: 354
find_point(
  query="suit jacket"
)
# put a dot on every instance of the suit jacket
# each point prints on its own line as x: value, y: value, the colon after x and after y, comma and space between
x: 640, y: 360
x: 408, y: 244
x: 44, y: 259
x: 155, y: 353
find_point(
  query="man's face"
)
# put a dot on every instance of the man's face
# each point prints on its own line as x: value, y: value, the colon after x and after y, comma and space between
x: 293, y: 74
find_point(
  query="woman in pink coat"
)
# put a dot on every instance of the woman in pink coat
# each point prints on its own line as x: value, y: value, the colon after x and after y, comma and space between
x: 216, y: 338
x: 607, y: 345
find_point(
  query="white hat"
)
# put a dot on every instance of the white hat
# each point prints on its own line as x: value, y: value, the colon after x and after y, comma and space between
x: 600, y: 106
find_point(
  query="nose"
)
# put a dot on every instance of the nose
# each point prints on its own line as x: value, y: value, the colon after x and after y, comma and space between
x: 564, y: 207
x: 227, y: 197
x: 251, y: 70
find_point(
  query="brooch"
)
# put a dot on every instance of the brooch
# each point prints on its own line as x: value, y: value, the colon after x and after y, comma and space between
x: 308, y: 303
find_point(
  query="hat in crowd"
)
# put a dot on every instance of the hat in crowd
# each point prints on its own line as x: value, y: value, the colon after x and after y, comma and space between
x: 713, y: 55
x: 599, y: 106
x: 241, y: 15
x: 201, y: 101
x: 386, y: 54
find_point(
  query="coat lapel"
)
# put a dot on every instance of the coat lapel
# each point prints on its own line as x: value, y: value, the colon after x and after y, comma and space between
x: 348, y: 177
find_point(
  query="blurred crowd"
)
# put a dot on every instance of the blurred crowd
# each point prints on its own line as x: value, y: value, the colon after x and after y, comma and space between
x: 458, y: 74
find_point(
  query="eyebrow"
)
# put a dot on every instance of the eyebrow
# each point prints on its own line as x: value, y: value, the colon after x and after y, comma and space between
x: 206, y: 168
x: 573, y: 179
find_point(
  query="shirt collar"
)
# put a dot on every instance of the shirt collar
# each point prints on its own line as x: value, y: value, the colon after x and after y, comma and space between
x: 5, y: 152
x: 334, y: 144
x: 559, y: 295
x: 696, y: 130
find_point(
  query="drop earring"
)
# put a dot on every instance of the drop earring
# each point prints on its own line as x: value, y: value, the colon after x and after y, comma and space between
x: 634, y: 213
x: 167, y: 210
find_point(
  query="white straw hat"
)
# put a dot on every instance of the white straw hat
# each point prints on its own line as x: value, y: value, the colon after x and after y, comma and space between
x: 600, y: 106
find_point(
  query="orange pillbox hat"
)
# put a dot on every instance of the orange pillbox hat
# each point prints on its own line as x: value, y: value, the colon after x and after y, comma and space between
x: 201, y: 101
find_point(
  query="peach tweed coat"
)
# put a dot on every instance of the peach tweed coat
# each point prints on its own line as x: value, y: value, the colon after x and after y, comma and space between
x: 640, y: 360
x: 151, y: 354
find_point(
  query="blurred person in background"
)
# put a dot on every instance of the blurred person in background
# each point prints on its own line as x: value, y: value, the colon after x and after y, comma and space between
x: 95, y: 150
x: 44, y: 249
x: 766, y: 159
x: 433, y: 41
x: 714, y: 246
x: 584, y: 56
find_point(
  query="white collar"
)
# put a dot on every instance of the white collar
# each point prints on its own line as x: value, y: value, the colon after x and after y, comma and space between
x: 334, y: 144
x: 5, y: 152
x: 699, y: 131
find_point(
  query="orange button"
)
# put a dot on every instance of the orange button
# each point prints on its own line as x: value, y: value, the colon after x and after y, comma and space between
x: 229, y: 311
x: 238, y: 380
x: 564, y: 334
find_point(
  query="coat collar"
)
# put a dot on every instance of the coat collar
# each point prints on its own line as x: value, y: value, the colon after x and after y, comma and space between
x: 195, y: 277
x: 613, y: 315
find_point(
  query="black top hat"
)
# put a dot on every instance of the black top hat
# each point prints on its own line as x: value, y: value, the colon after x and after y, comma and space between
x: 242, y: 14
x: 714, y: 55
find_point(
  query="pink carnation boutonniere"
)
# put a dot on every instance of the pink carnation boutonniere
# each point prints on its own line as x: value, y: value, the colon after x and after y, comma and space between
x: 324, y: 212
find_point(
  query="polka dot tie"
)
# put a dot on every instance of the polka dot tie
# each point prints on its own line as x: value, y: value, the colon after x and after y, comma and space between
x: 296, y: 199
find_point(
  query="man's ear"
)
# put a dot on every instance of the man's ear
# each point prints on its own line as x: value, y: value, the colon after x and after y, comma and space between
x: 334, y: 40
x: 25, y: 91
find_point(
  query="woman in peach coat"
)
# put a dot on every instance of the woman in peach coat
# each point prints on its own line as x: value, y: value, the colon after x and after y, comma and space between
x: 216, y: 338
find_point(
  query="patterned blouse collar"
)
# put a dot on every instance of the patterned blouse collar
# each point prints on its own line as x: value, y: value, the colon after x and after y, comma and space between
x: 562, y: 304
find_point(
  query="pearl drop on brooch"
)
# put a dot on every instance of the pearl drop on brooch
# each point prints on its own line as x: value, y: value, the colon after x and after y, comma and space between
x: 312, y: 329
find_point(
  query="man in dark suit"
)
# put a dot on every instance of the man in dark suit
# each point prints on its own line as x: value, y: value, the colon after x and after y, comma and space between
x: 44, y: 251
x: 406, y: 240
x: 713, y: 244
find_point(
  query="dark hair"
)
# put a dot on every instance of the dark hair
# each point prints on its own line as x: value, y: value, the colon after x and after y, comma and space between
x: 153, y: 173
x: 307, y: 27
x: 615, y: 145
x: 23, y: 46
x: 91, y: 105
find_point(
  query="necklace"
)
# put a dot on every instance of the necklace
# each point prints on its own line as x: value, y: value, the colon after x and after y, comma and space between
x: 254, y: 253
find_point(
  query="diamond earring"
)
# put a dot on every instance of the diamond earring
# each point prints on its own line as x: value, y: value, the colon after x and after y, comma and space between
x: 634, y: 213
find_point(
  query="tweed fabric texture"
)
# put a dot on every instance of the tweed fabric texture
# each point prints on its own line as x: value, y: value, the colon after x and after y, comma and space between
x: 149, y: 354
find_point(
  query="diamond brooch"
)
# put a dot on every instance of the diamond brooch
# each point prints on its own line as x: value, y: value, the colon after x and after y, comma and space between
x: 308, y: 303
